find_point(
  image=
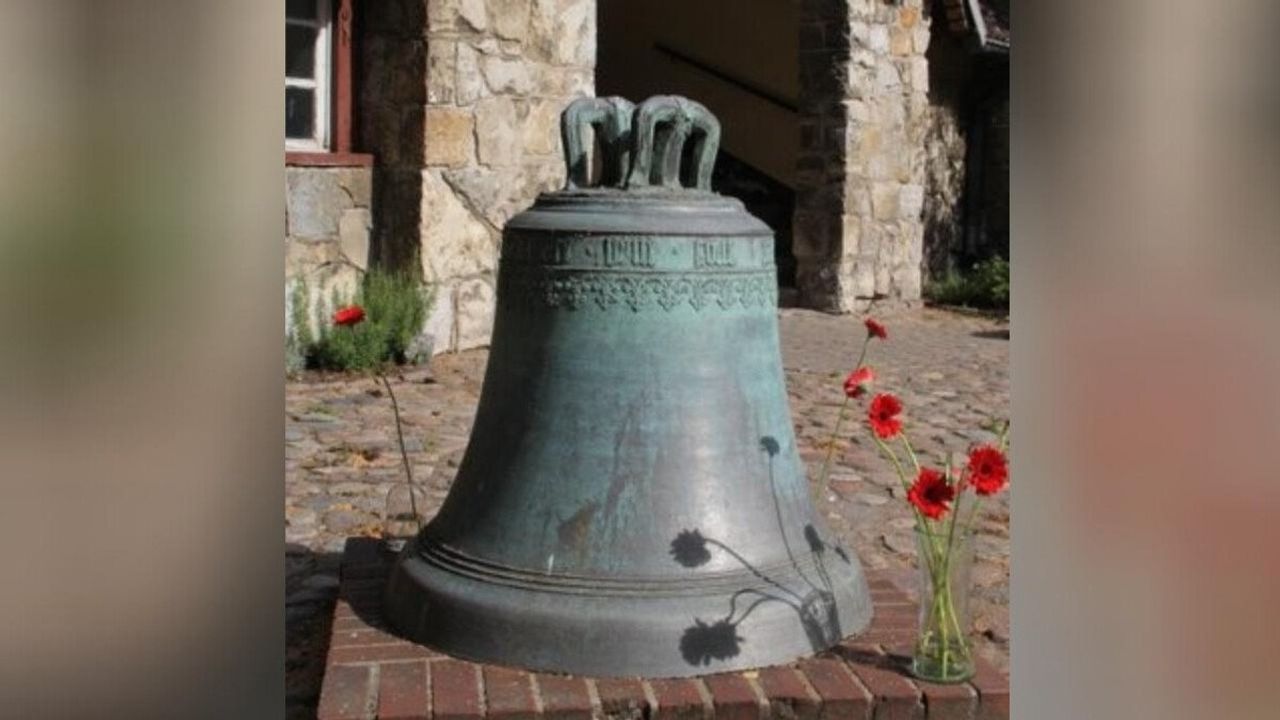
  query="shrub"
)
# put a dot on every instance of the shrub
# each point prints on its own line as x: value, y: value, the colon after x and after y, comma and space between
x: 985, y: 285
x: 395, y: 305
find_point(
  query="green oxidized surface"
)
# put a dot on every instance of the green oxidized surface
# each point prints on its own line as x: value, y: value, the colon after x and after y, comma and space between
x: 631, y: 501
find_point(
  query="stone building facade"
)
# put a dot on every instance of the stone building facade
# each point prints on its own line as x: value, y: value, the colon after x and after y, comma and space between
x: 328, y: 218
x: 455, y: 104
x: 864, y: 84
x: 456, y: 109
x: 461, y: 104
x: 886, y: 107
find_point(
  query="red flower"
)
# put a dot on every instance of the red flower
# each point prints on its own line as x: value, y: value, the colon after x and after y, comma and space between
x: 988, y: 470
x: 884, y: 415
x: 931, y: 494
x: 875, y: 329
x: 853, y: 385
x: 348, y: 315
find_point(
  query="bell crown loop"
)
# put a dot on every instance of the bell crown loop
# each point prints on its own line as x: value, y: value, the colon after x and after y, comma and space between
x: 641, y: 147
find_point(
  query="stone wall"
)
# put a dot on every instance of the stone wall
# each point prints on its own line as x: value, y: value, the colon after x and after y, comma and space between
x: 327, y: 222
x: 864, y: 106
x: 461, y: 105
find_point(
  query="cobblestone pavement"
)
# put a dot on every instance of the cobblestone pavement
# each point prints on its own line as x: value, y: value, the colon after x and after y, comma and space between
x: 950, y: 370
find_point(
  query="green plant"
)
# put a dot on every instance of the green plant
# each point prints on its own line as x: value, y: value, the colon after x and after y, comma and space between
x: 400, y: 304
x: 396, y: 307
x: 297, y: 339
x: 985, y: 285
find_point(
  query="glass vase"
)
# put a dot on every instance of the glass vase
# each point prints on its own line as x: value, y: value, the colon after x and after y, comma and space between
x: 403, y: 517
x: 943, y: 651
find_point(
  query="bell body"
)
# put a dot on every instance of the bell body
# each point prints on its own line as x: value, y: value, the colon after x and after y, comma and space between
x: 631, y: 501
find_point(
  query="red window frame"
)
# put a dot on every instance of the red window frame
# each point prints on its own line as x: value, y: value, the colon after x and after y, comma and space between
x: 340, y: 152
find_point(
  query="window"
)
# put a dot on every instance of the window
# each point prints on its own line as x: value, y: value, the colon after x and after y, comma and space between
x: 307, y: 80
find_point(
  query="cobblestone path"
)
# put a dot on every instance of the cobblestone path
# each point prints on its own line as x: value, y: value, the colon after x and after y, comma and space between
x: 950, y: 370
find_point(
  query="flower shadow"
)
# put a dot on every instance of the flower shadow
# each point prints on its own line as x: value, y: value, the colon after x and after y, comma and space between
x: 702, y: 643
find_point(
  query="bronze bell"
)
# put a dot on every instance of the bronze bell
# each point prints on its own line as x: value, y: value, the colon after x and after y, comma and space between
x: 631, y: 501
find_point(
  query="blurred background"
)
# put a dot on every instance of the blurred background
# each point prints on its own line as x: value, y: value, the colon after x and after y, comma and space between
x: 141, y: 275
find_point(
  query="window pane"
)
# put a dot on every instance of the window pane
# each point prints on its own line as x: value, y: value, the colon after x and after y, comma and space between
x: 299, y: 51
x: 300, y: 9
x: 299, y: 112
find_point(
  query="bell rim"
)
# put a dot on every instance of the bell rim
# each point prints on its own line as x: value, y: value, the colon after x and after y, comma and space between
x: 602, y: 636
x: 451, y: 559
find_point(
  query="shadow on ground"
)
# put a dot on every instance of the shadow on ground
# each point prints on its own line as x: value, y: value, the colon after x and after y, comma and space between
x: 311, y: 589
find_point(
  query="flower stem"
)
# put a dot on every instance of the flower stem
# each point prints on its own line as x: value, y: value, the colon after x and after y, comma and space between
x: 835, y: 432
x: 911, y: 453
x: 404, y: 456
x: 863, y: 354
x: 935, y: 557
x: 831, y: 445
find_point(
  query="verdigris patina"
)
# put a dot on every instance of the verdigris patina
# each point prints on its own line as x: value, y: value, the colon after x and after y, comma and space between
x: 631, y: 501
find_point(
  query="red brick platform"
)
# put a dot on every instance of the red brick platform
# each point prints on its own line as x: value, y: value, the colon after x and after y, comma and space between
x: 372, y: 674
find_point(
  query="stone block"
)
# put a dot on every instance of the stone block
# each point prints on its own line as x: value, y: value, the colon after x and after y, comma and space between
x: 858, y: 197
x: 911, y: 201
x: 857, y: 112
x: 314, y: 200
x: 884, y: 200
x: 580, y: 81
x: 450, y: 137
x: 541, y: 37
x: 442, y: 15
x: 908, y: 17
x: 850, y: 235
x: 863, y: 276
x: 509, y: 76
x: 473, y: 15
x: 476, y: 301
x: 510, y: 18
x: 454, y: 242
x: 548, y: 80
x: 583, y: 24
x: 884, y: 280
x: 919, y: 74
x: 892, y: 112
x: 439, y: 325
x: 442, y: 71
x: 870, y: 140
x: 920, y: 38
x: 878, y: 39
x: 469, y: 83
x: 541, y: 132
x: 887, y: 76
x: 500, y: 193
x: 353, y: 236
x: 900, y: 41
x: 860, y: 34
x: 906, y: 281
x: 499, y: 136
x: 563, y: 32
x: 860, y: 82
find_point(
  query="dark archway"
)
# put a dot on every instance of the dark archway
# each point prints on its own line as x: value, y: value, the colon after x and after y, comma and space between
x: 739, y: 58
